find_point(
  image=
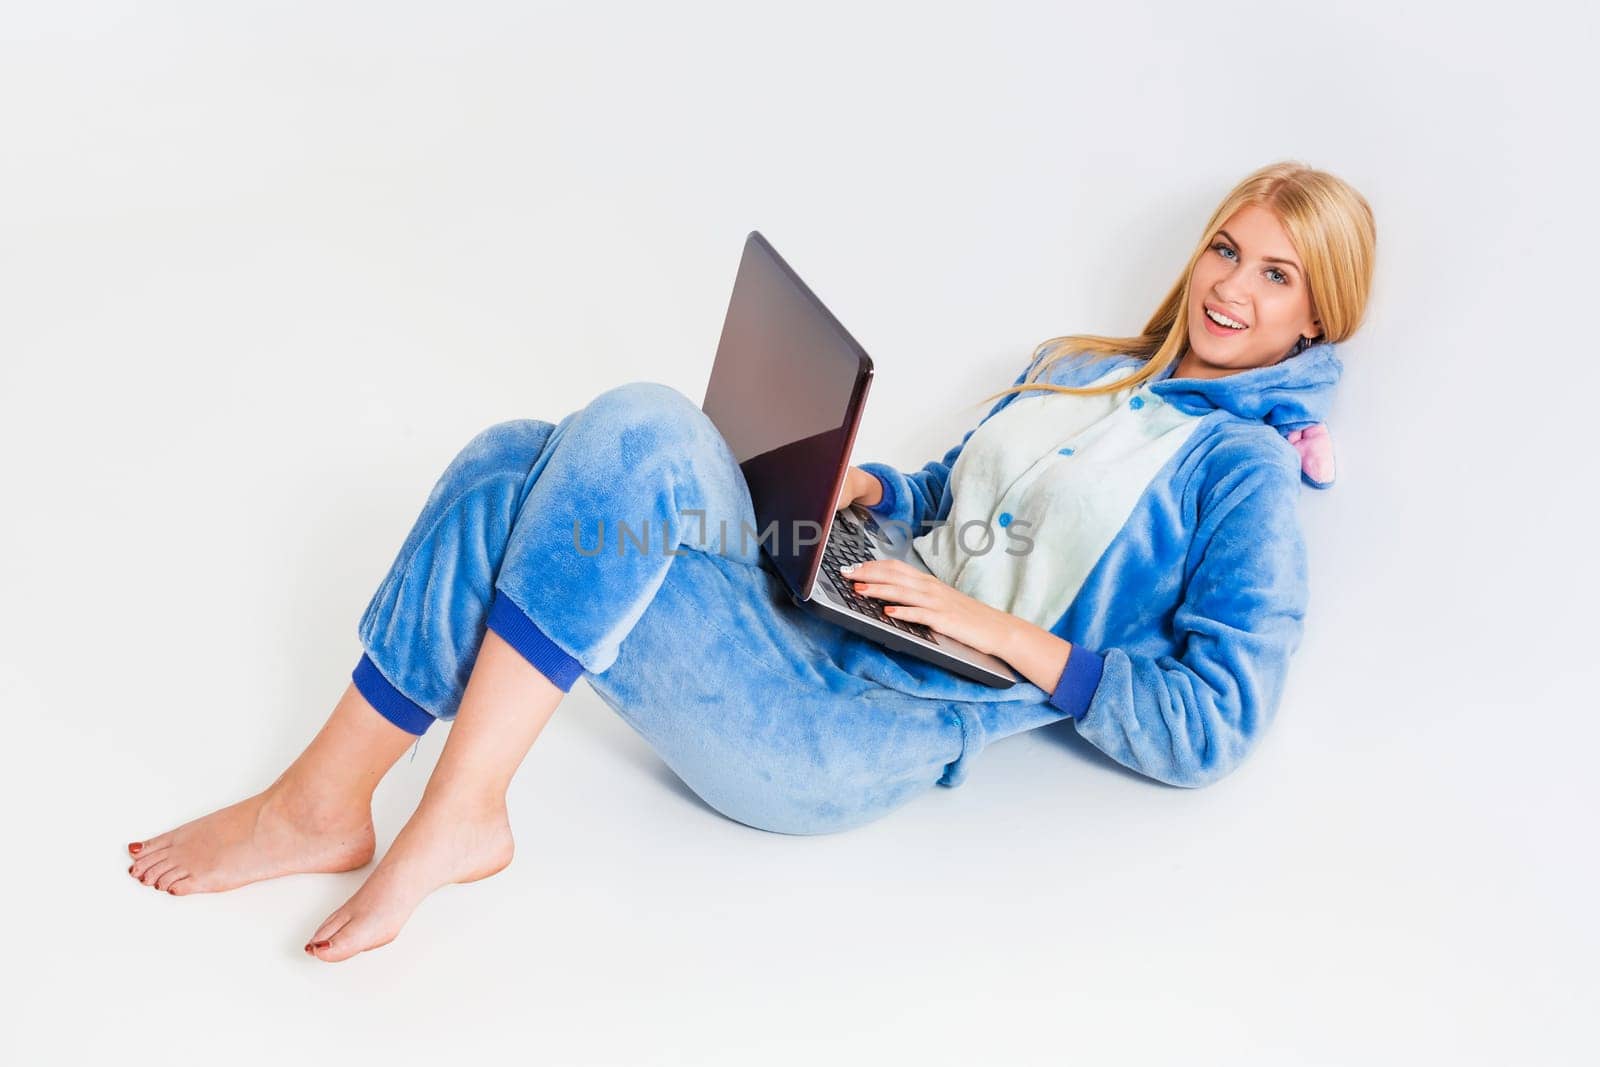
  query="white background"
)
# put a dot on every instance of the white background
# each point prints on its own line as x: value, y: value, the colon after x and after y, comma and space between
x: 264, y: 268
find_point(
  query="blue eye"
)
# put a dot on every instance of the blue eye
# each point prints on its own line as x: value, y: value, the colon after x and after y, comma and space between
x: 1281, y: 279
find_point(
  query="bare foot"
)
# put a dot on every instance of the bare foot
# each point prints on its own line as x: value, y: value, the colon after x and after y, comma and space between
x: 285, y: 829
x: 445, y: 841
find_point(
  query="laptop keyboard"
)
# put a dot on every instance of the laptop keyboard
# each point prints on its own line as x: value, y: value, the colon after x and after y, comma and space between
x: 846, y: 545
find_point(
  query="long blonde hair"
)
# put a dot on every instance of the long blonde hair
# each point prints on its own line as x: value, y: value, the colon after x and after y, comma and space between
x: 1331, y: 227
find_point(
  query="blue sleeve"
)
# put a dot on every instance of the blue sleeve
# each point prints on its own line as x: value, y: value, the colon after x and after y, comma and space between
x: 1191, y: 717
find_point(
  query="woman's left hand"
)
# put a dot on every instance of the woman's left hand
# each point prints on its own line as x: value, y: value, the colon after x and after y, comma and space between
x: 918, y: 597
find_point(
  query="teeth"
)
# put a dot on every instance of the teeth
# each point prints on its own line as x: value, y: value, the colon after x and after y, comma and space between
x: 1223, y: 320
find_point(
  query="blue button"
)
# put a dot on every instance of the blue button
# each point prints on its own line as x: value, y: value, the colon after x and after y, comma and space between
x: 1136, y: 403
x: 1066, y: 451
x: 1005, y: 518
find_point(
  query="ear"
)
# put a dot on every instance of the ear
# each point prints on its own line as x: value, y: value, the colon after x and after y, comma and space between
x: 1315, y: 446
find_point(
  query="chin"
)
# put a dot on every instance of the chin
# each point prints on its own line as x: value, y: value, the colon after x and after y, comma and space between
x: 1221, y: 352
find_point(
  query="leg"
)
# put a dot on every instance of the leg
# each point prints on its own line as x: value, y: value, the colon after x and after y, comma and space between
x: 459, y: 832
x: 317, y: 815
x: 638, y: 455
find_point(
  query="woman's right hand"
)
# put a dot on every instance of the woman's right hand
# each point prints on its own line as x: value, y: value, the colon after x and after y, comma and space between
x: 859, y: 488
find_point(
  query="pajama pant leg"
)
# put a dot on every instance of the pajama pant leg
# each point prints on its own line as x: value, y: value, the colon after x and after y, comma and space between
x: 609, y: 545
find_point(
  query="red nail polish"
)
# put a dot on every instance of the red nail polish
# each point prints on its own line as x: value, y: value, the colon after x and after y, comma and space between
x: 133, y: 849
x: 321, y: 944
x: 174, y: 892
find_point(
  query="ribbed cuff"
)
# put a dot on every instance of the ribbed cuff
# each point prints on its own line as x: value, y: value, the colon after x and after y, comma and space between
x: 520, y: 632
x: 1079, y: 679
x: 388, y: 701
x: 885, y: 508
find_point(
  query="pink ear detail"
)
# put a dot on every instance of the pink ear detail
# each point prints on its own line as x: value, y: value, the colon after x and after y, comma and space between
x: 1316, y: 451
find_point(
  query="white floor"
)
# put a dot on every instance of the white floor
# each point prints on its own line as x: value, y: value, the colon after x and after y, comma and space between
x: 1053, y: 907
x: 264, y: 268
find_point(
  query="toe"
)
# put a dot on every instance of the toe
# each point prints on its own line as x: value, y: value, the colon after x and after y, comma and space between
x: 351, y: 940
x: 155, y: 870
x: 170, y: 875
x: 145, y: 861
x: 182, y: 886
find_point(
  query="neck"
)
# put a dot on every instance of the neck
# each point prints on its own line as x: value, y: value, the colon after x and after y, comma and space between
x: 1190, y: 366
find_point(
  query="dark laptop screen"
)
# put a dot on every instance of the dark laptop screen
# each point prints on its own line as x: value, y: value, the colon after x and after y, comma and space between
x: 786, y: 391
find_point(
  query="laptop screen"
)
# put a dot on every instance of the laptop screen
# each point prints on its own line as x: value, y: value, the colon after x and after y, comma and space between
x: 786, y: 392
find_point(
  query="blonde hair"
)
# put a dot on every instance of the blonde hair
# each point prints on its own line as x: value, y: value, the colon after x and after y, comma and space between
x: 1331, y: 227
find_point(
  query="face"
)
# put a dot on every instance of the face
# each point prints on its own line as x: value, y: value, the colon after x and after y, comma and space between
x: 1251, y: 275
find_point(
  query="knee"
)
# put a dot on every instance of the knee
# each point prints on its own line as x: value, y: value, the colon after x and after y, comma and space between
x: 504, y: 447
x: 647, y: 419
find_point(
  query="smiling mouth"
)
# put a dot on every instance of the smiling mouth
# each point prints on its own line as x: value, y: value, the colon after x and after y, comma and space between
x: 1223, y: 320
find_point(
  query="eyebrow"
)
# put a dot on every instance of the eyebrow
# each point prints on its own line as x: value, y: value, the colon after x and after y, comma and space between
x: 1269, y: 259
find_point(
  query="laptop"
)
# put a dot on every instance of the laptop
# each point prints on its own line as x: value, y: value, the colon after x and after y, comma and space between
x: 787, y: 390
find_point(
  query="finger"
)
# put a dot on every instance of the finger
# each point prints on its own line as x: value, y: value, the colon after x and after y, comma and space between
x: 883, y: 570
x: 914, y: 613
x: 878, y: 591
x: 893, y: 592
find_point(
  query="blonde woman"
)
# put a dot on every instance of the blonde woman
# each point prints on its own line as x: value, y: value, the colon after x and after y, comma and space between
x: 1158, y: 608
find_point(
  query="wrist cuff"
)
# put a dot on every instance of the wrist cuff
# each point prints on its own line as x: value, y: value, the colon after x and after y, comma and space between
x: 1078, y: 682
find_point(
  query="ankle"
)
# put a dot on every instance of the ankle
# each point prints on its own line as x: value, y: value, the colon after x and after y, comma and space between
x: 466, y: 800
x: 304, y: 798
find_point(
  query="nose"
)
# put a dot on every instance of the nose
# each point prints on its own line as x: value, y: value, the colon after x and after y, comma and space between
x: 1231, y: 290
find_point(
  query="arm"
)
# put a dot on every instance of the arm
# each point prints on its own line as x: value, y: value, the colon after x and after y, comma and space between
x: 1068, y: 673
x: 1186, y: 719
x: 1190, y: 718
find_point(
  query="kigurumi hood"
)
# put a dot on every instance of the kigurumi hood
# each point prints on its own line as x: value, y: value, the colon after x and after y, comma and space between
x: 1292, y: 396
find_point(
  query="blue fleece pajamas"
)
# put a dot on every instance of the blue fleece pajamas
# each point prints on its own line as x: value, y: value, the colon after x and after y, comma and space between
x: 775, y: 718
x: 1165, y: 547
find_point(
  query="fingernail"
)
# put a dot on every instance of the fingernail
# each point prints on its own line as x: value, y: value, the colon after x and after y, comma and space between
x: 133, y: 849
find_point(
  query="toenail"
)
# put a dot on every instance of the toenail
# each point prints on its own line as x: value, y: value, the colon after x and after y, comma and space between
x: 130, y: 868
x: 134, y: 848
x: 321, y: 944
x: 174, y: 892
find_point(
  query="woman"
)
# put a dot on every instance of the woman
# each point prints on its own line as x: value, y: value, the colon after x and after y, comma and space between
x: 1158, y: 607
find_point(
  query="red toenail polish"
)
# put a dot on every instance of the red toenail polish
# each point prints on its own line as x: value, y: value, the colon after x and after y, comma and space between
x: 321, y: 944
x: 130, y: 868
x: 174, y: 892
x: 133, y: 849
